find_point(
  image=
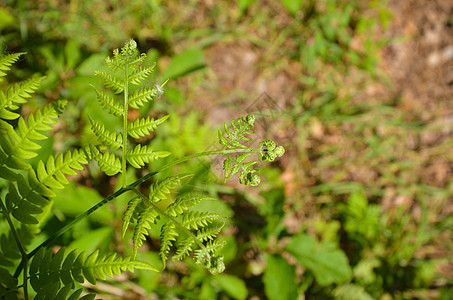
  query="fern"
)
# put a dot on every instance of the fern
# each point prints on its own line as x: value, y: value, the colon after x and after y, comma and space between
x: 142, y: 127
x: 139, y: 156
x: 236, y: 136
x: 28, y: 194
x: 186, y: 230
x: 129, y: 62
x: 49, y: 272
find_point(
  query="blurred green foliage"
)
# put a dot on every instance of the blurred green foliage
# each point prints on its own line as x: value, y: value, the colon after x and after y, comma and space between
x: 328, y: 233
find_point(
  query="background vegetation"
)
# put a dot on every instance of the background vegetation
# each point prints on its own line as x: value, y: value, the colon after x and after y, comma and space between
x: 359, y: 207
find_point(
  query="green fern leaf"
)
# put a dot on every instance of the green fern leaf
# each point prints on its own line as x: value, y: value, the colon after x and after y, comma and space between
x: 128, y: 56
x: 109, y: 103
x: 236, y: 135
x: 208, y: 256
x: 22, y: 90
x: 17, y: 94
x: 35, y: 188
x: 208, y: 233
x: 144, y: 95
x: 109, y: 138
x: 183, y: 249
x: 144, y: 220
x: 45, y: 269
x: 181, y: 204
x: 77, y: 293
x: 29, y: 131
x: 196, y: 219
x: 141, y: 155
x: 160, y: 189
x: 6, y: 61
x: 64, y: 164
x: 107, y: 161
x: 4, y: 112
x: 142, y: 127
x: 140, y: 74
x: 130, y: 210
x: 167, y: 237
x: 21, y: 209
x: 111, y: 81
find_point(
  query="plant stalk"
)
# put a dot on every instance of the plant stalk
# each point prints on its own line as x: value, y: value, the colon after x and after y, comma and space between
x: 125, y: 111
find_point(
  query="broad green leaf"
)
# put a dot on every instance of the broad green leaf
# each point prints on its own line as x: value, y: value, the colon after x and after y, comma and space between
x: 185, y: 62
x: 244, y: 4
x: 351, y: 292
x: 72, y: 53
x: 6, y: 19
x: 7, y: 279
x: 279, y: 279
x: 327, y: 263
x: 293, y: 6
x: 92, y: 240
x: 233, y: 286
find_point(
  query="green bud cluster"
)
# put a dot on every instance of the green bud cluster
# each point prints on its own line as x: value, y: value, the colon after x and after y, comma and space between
x: 269, y: 151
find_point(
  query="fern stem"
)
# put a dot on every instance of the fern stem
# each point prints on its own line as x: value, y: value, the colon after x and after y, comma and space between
x: 173, y: 220
x: 207, y: 153
x: 13, y: 229
x: 125, y: 108
x: 26, y: 279
x: 23, y: 253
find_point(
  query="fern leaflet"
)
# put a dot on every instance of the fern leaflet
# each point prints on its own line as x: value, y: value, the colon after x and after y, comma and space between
x: 111, y: 81
x: 142, y: 127
x: 109, y: 138
x: 141, y: 155
x: 109, y: 103
x: 6, y: 61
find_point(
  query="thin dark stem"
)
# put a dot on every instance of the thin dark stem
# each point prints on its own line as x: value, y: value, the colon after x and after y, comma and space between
x: 19, y: 245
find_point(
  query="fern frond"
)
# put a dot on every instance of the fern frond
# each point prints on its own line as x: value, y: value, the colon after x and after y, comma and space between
x: 142, y: 127
x: 140, y: 74
x: 144, y: 220
x: 22, y: 90
x: 233, y: 165
x: 183, y: 249
x: 28, y: 131
x: 107, y: 161
x: 141, y: 155
x: 197, y: 219
x: 210, y: 258
x: 4, y: 112
x: 109, y: 138
x: 6, y: 61
x: 130, y: 210
x: 236, y: 135
x: 182, y: 204
x: 208, y: 233
x: 144, y: 95
x: 109, y: 103
x: 128, y: 56
x: 47, y: 271
x: 20, y: 208
x: 17, y: 94
x: 160, y: 189
x: 167, y: 237
x: 111, y: 81
x: 52, y: 174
